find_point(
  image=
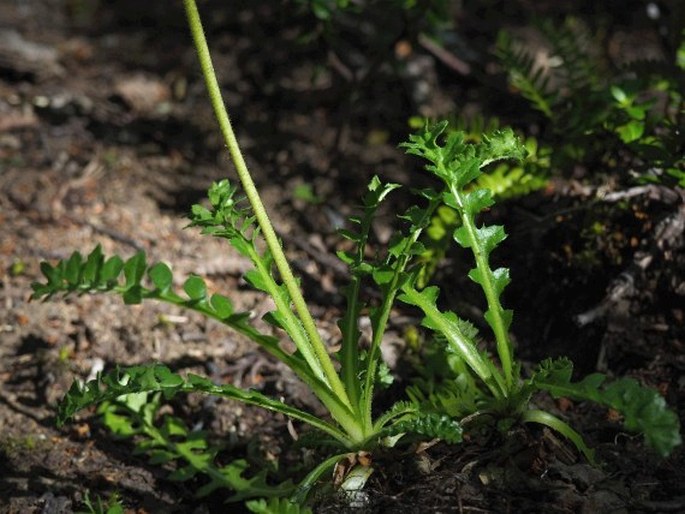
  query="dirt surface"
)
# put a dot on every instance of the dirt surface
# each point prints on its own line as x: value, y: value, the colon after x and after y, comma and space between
x: 106, y: 137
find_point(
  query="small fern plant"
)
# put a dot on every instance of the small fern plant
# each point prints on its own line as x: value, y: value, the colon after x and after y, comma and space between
x: 593, y: 113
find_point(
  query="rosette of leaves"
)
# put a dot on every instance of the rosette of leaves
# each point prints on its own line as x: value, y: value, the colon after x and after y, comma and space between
x: 351, y: 426
x: 344, y: 382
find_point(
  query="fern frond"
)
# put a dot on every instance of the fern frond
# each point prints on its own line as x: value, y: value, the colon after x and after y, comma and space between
x: 430, y: 425
x: 579, y: 66
x: 525, y: 75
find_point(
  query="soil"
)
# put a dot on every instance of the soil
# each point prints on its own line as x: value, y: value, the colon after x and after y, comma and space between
x: 106, y: 137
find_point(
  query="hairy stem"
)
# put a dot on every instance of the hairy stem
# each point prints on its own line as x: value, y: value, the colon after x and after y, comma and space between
x: 252, y: 194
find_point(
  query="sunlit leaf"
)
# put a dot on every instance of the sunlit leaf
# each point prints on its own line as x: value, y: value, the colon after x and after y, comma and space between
x: 161, y: 276
x: 195, y: 288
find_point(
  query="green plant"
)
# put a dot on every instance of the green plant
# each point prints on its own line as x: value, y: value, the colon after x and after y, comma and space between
x: 112, y: 505
x: 506, y: 179
x: 243, y: 221
x: 593, y: 112
x: 435, y: 12
x: 130, y: 397
x: 510, y: 178
x: 483, y: 389
x: 171, y: 441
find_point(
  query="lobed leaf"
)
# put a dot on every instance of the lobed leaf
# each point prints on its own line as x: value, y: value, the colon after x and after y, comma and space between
x: 458, y: 333
x: 430, y: 425
x: 377, y: 192
x: 500, y: 145
x: 644, y: 410
x: 159, y: 378
x: 107, y: 275
x: 93, y: 274
x: 476, y: 201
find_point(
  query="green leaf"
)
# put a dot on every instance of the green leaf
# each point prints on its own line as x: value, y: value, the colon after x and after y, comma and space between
x: 346, y: 257
x: 525, y: 75
x: 222, y: 306
x: 637, y: 112
x: 73, y: 268
x: 254, y: 486
x: 644, y: 410
x: 184, y: 473
x: 466, y: 172
x: 500, y: 145
x: 631, y: 131
x: 501, y: 279
x: 111, y: 269
x: 174, y: 426
x: 134, y: 269
x: 93, y: 265
x: 200, y: 214
x: 118, y: 424
x: 458, y: 165
x: 545, y: 418
x: 430, y: 425
x: 496, y: 315
x: 486, y: 238
x: 349, y: 235
x: 158, y: 378
x: 458, y: 333
x: 619, y: 95
x: 160, y: 457
x: 257, y: 280
x: 476, y: 201
x: 161, y: 276
x: 107, y: 281
x: 415, y: 215
x: 51, y: 273
x: 383, y: 275
x: 195, y: 288
x: 133, y: 295
x: 378, y: 191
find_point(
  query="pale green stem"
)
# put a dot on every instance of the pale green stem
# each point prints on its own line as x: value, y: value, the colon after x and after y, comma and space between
x: 257, y: 206
x: 501, y: 336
